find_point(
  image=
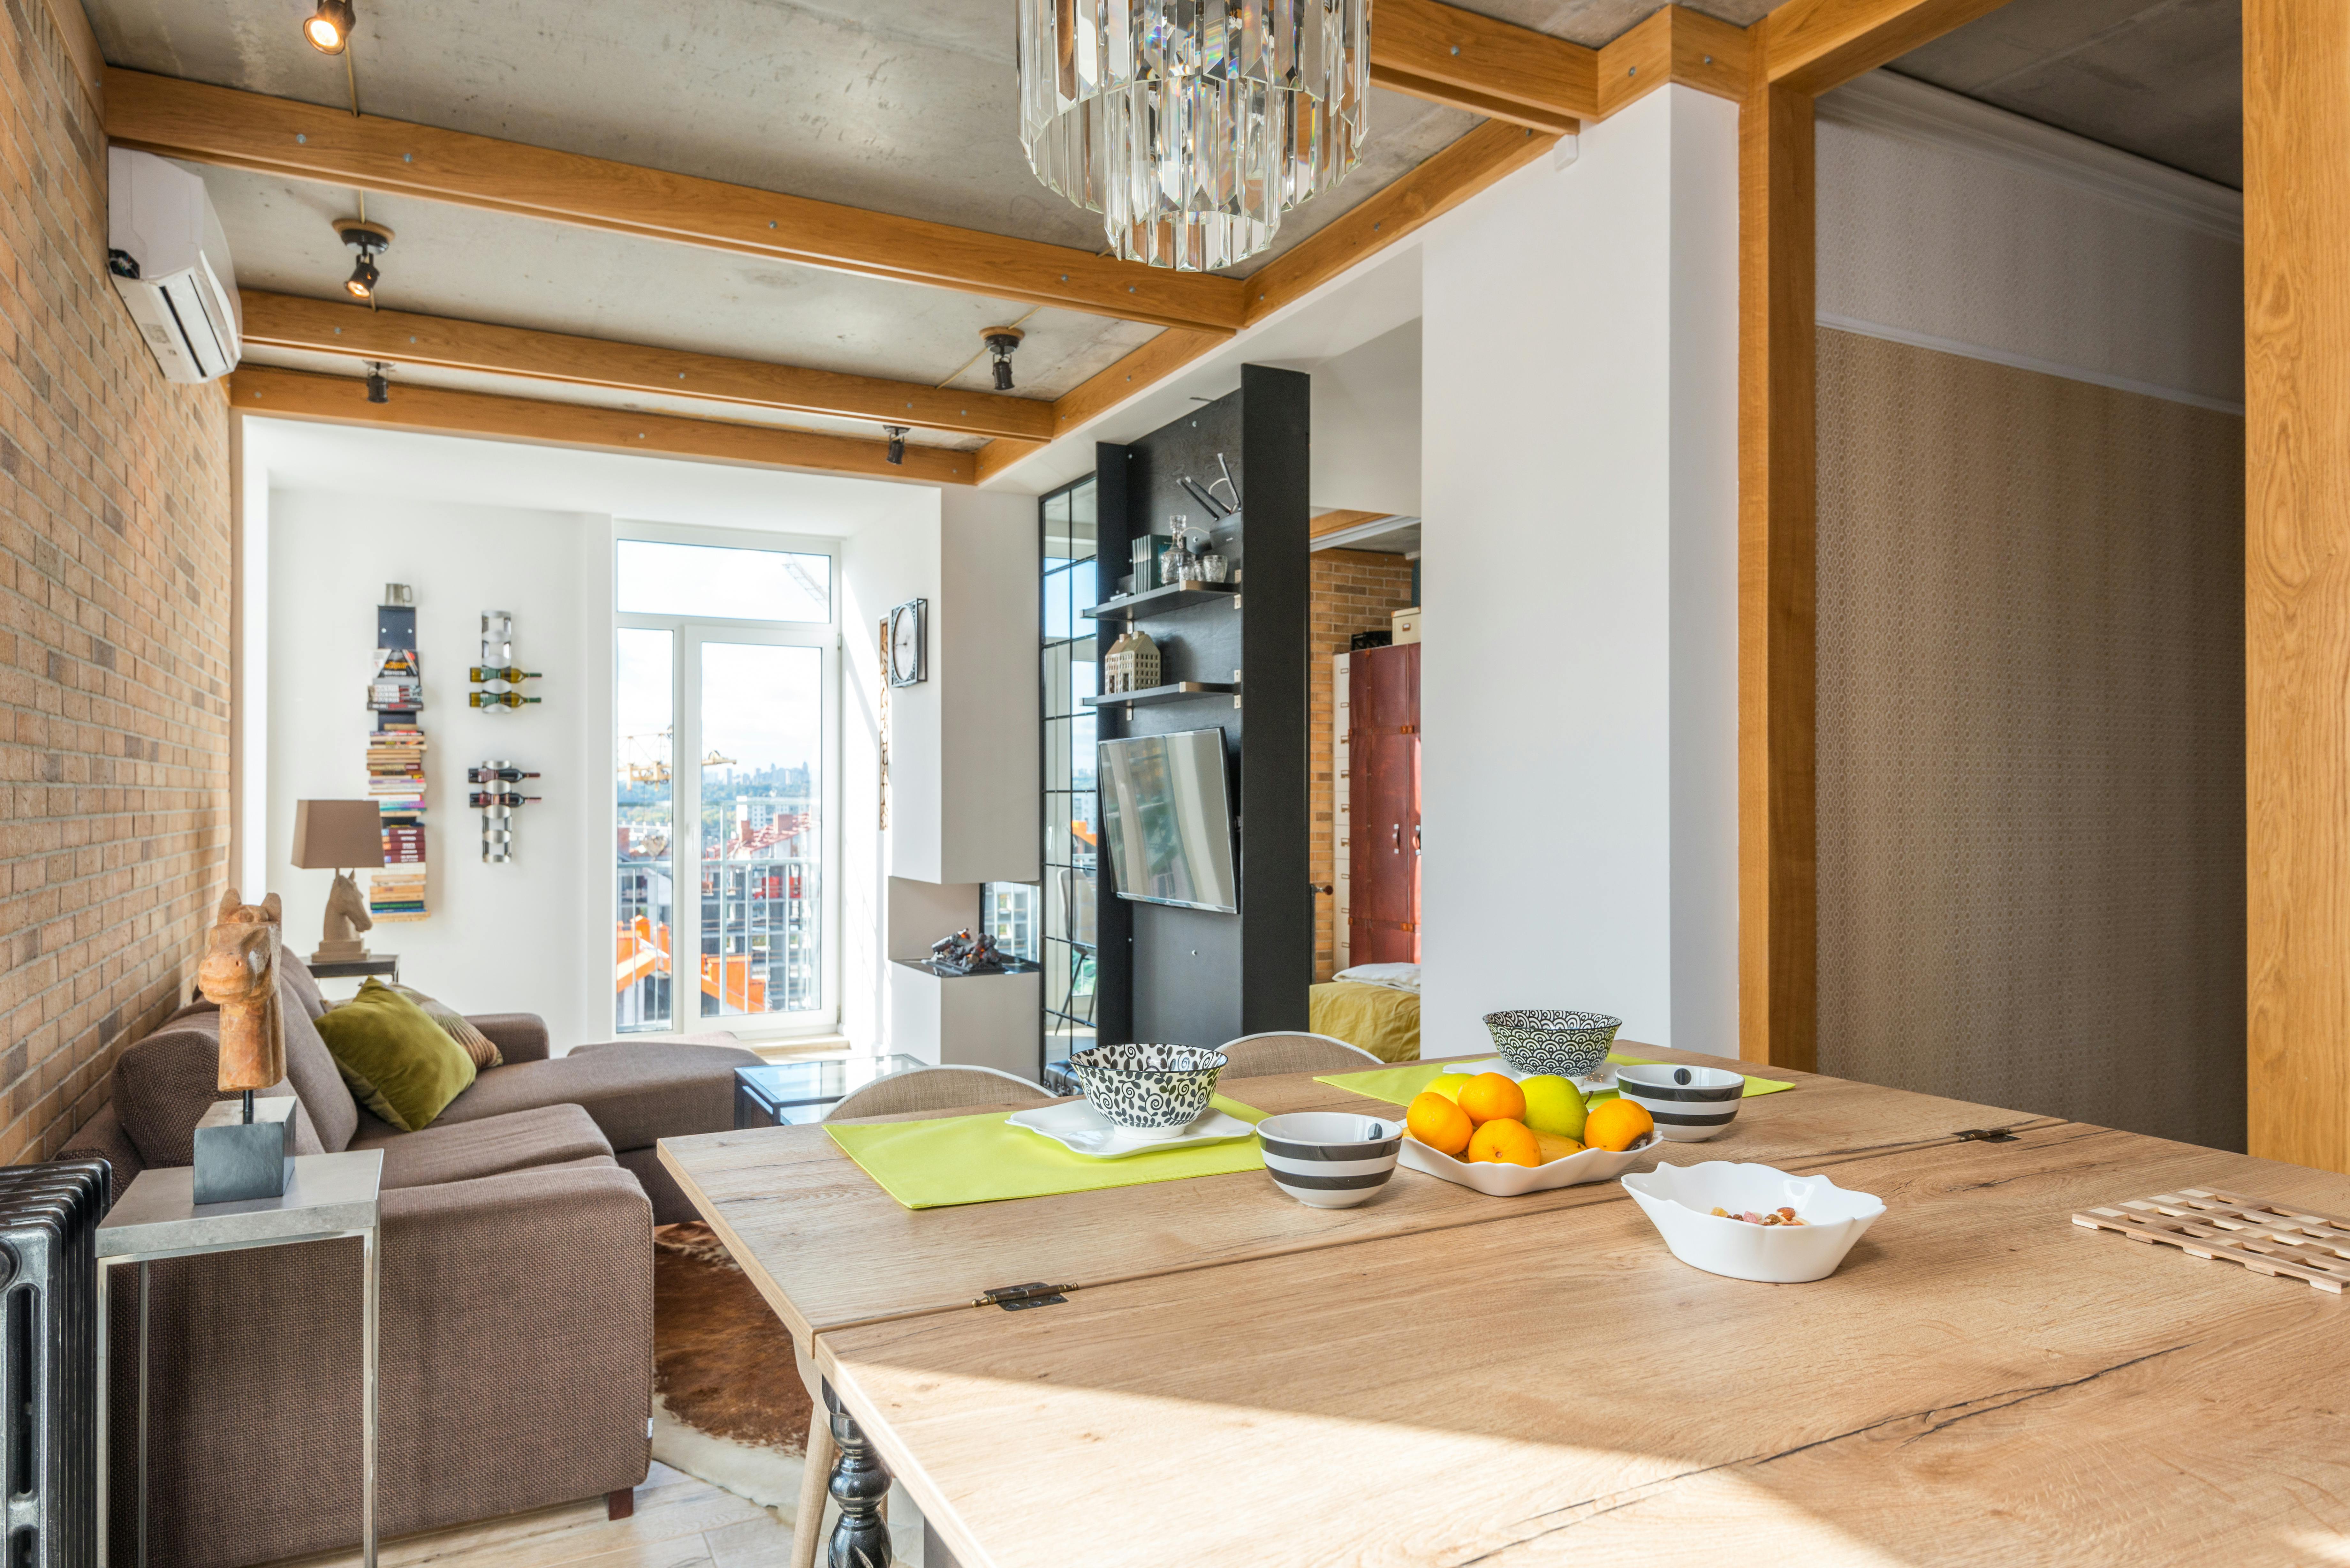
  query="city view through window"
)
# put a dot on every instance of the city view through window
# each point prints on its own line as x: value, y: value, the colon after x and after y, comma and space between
x: 746, y: 766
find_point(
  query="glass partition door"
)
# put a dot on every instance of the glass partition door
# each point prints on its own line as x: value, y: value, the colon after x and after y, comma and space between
x: 1070, y: 675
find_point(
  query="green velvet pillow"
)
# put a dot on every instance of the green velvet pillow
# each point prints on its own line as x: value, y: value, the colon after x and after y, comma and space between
x: 400, y: 1064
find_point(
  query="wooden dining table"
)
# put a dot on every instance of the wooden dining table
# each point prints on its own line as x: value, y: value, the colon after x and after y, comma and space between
x: 1440, y: 1377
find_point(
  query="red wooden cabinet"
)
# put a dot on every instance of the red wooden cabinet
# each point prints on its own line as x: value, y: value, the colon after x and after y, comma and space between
x: 1383, y: 800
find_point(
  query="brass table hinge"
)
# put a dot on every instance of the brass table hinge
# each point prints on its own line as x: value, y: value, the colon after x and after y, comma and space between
x: 1020, y: 1298
x: 1985, y: 1135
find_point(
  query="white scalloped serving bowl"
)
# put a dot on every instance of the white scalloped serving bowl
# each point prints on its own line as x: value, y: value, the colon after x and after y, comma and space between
x: 1680, y: 1200
x: 1497, y: 1180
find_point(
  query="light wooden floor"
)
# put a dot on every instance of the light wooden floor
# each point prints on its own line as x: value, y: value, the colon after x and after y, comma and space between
x: 679, y: 1523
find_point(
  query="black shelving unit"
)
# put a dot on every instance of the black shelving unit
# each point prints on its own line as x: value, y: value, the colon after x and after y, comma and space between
x: 1159, y: 601
x: 1180, y: 690
x: 1165, y: 973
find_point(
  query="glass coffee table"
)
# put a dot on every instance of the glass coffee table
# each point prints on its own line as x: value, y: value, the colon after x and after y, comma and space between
x: 793, y: 1094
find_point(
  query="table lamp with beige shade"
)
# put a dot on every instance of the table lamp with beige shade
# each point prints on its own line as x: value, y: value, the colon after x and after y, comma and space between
x: 339, y: 836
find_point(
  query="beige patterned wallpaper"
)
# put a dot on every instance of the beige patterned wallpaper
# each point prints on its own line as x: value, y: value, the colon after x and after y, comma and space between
x: 2031, y: 742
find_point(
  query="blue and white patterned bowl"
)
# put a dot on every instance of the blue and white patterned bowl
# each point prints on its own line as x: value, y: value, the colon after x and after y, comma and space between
x: 1149, y: 1088
x: 1545, y: 1040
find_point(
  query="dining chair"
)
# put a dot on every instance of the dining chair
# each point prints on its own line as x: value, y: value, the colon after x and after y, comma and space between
x: 923, y: 1090
x: 1276, y: 1052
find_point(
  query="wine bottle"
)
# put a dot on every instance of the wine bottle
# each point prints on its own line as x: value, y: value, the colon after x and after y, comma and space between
x: 497, y: 699
x: 499, y: 797
x: 479, y: 676
x: 496, y: 775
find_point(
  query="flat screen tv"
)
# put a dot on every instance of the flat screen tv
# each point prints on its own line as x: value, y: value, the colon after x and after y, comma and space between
x: 1167, y: 820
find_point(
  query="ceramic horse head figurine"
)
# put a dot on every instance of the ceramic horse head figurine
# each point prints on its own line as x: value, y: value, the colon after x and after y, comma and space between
x: 347, y: 914
x: 239, y: 973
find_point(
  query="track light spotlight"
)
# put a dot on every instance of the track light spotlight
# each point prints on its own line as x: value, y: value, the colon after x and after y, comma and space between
x: 367, y: 239
x: 379, y: 384
x: 897, y: 434
x: 328, y: 28
x: 1001, y: 341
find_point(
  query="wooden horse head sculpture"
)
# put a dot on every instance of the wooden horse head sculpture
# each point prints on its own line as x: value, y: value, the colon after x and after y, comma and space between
x: 239, y: 973
x: 347, y: 913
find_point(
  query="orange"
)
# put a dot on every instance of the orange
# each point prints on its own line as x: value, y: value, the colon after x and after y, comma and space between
x: 1489, y: 1096
x: 1617, y: 1125
x: 1506, y: 1141
x: 1438, y: 1123
x: 1555, y: 1146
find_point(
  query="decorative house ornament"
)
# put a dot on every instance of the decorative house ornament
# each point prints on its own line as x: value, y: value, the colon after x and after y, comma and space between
x: 1190, y: 126
x: 1118, y: 664
x: 1142, y: 662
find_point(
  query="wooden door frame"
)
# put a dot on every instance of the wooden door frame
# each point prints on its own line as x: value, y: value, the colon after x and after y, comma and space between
x: 1800, y: 50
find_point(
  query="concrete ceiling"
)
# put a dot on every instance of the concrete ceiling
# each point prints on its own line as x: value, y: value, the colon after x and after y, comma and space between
x: 906, y: 108
x: 1592, y: 23
x: 2162, y: 79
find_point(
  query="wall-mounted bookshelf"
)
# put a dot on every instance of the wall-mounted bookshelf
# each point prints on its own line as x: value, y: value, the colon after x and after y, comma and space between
x: 1176, y: 693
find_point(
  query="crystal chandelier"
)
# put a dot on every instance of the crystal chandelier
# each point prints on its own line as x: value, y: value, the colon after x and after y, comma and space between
x: 1191, y: 125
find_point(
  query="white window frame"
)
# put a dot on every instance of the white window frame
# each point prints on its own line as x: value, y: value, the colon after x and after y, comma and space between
x: 688, y: 635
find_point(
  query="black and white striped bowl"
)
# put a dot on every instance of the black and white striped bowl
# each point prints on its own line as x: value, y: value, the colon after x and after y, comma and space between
x: 1329, y: 1160
x: 1689, y: 1105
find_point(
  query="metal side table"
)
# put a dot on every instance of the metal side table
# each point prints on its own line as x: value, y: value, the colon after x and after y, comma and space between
x: 330, y: 1198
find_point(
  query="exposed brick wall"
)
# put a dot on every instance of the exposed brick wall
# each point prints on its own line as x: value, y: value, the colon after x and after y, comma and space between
x: 1353, y: 590
x: 114, y: 626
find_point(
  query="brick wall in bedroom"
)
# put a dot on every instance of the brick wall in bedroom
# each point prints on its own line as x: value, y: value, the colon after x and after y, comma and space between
x: 1353, y: 590
x: 114, y: 625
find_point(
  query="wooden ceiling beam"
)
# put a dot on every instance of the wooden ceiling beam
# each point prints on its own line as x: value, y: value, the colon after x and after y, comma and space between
x: 401, y: 338
x: 1446, y: 54
x: 342, y: 399
x: 1810, y: 46
x: 305, y: 141
x: 1674, y: 44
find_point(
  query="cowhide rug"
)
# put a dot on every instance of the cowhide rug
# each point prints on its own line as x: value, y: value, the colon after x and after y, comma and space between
x: 728, y: 1404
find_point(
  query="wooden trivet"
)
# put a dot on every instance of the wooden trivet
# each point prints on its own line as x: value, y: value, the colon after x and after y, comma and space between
x: 2266, y: 1238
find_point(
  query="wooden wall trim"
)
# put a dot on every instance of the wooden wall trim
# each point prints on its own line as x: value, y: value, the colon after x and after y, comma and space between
x: 1777, y: 874
x: 304, y: 142
x: 2297, y: 580
x: 342, y: 399
x: 404, y: 337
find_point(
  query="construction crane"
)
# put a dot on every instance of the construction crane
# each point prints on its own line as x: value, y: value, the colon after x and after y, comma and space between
x: 644, y: 759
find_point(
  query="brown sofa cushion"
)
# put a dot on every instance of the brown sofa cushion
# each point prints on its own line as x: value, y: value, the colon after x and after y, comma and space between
x: 637, y: 1093
x: 519, y: 1036
x: 467, y: 1151
x: 310, y: 1066
x: 295, y: 975
x: 163, y: 1084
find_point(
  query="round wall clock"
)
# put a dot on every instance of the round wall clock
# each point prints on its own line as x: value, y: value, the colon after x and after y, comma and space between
x: 910, y: 637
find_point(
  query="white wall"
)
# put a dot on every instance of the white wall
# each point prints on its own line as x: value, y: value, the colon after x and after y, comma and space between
x: 1578, y: 694
x: 1949, y: 224
x: 1366, y: 426
x: 963, y: 746
x: 533, y: 934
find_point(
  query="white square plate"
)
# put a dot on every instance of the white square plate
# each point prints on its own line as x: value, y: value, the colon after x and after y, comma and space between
x: 1079, y: 1128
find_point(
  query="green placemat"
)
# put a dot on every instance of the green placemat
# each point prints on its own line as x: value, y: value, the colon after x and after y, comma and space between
x: 1396, y: 1085
x: 979, y: 1159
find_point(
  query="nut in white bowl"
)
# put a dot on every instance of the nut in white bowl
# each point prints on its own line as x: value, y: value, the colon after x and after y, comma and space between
x: 1680, y: 1200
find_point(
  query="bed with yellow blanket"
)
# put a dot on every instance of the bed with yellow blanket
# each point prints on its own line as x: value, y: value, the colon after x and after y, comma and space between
x: 1380, y: 1019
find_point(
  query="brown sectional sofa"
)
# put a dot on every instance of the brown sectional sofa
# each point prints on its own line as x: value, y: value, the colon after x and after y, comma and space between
x: 517, y: 1295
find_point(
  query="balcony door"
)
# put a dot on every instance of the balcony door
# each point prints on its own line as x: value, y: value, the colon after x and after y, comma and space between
x: 727, y: 776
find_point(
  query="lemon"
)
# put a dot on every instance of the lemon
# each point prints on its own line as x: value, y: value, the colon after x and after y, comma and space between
x: 1449, y: 1085
x: 1553, y: 1147
x: 1553, y: 1105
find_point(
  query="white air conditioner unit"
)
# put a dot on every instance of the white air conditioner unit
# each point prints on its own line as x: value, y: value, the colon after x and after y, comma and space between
x: 170, y: 264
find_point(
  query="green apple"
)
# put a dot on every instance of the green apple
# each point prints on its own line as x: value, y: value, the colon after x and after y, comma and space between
x: 1450, y: 1086
x: 1552, y: 1104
